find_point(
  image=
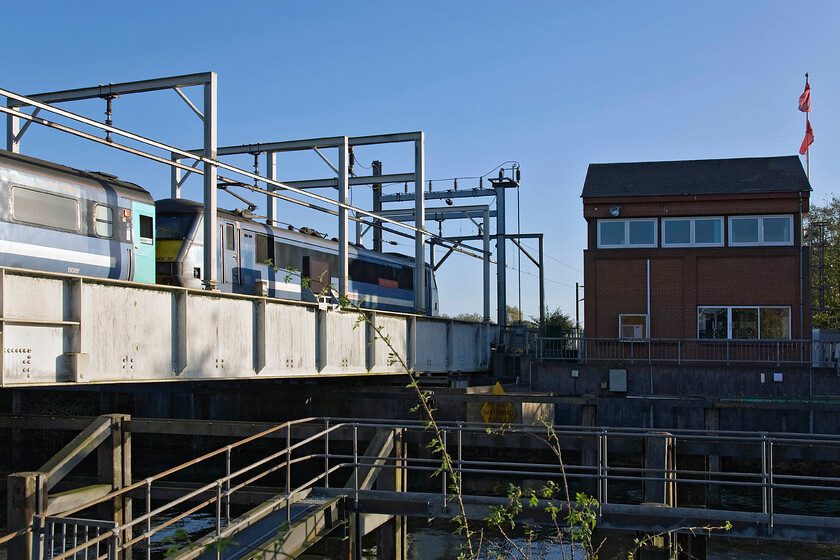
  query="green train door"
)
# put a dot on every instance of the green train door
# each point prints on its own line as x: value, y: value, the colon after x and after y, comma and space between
x: 143, y: 237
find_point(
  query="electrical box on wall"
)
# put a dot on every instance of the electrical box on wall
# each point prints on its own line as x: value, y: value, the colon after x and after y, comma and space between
x: 618, y: 380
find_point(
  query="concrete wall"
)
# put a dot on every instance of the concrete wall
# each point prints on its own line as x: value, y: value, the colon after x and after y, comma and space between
x: 65, y: 329
x: 685, y: 381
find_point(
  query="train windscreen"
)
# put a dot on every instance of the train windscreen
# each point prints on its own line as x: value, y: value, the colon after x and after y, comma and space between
x: 174, y: 226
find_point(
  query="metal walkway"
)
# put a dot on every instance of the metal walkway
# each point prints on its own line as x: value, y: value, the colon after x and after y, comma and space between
x: 769, y: 486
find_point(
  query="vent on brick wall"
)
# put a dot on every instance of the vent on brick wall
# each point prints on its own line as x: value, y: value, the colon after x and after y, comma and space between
x: 632, y: 331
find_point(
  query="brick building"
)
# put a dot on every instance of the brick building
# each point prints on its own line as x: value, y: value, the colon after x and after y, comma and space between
x: 706, y: 249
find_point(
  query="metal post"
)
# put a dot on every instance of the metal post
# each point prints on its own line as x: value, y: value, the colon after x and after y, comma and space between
x: 460, y: 480
x: 445, y: 472
x: 343, y: 191
x: 377, y: 206
x: 327, y: 452
x: 356, y: 464
x: 148, y: 518
x: 501, y: 240
x: 211, y: 274
x: 288, y: 472
x: 420, y: 224
x: 542, y: 284
x: 12, y: 130
x: 227, y: 483
x: 175, y: 178
x: 270, y: 201
x: 765, y: 506
x: 218, y: 516
x: 485, y: 235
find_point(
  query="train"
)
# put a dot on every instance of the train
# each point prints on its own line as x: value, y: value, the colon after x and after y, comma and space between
x: 60, y: 219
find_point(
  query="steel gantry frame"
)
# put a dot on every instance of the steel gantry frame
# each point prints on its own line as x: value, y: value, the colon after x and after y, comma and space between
x: 342, y: 182
x: 208, y: 156
x: 41, y: 102
x: 498, y: 191
x: 208, y: 80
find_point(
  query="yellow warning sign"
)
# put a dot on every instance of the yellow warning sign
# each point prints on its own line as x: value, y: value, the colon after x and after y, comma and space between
x: 498, y: 412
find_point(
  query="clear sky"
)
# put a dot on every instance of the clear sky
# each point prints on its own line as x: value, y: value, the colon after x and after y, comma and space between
x: 552, y: 85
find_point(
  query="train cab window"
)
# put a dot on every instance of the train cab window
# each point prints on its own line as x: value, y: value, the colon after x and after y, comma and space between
x: 147, y: 228
x: 174, y: 227
x: 45, y: 209
x: 103, y: 221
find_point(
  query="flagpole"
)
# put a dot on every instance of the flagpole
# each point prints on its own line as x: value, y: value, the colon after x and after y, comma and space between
x: 808, y: 149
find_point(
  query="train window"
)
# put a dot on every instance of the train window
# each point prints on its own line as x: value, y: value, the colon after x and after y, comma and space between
x: 263, y: 247
x: 230, y: 238
x: 147, y: 229
x: 103, y: 220
x: 45, y: 209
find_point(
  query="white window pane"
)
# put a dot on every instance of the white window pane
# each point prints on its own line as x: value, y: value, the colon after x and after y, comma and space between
x: 708, y: 231
x: 776, y: 230
x: 676, y: 232
x: 744, y: 230
x: 612, y: 233
x: 642, y: 233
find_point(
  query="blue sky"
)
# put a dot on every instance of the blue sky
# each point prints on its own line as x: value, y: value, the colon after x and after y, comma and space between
x: 553, y: 85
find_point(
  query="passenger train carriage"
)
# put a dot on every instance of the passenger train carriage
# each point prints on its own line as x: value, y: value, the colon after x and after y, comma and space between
x: 251, y: 252
x: 59, y: 219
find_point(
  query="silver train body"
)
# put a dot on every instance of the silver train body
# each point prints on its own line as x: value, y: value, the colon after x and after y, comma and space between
x: 257, y: 258
x: 60, y: 219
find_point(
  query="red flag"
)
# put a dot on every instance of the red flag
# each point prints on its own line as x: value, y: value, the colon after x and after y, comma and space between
x: 805, y: 99
x: 809, y: 137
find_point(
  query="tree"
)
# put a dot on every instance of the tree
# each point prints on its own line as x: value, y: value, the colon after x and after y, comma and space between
x: 556, y: 324
x: 471, y: 317
x: 829, y: 274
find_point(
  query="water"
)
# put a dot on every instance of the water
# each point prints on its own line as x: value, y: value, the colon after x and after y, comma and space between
x: 436, y: 542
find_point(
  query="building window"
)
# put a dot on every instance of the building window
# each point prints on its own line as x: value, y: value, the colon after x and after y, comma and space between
x: 744, y: 323
x: 692, y: 232
x: 761, y: 230
x: 626, y: 233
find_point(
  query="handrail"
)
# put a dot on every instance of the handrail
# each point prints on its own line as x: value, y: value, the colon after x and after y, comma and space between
x: 294, y: 453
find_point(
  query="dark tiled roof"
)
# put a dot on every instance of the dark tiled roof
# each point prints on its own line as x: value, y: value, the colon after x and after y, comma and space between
x: 707, y: 176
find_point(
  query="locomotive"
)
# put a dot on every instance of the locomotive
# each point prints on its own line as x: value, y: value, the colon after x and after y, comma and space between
x: 59, y: 219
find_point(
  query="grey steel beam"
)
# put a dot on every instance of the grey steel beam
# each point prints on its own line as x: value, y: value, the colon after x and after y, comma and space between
x: 358, y: 180
x: 124, y: 88
x: 343, y: 191
x: 419, y: 224
x: 271, y: 201
x: 210, y: 192
x: 501, y: 262
x: 311, y: 143
x: 437, y: 213
x: 439, y: 195
x: 485, y: 237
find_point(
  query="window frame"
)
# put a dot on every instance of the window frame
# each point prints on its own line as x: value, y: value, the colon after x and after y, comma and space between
x: 761, y: 242
x: 692, y: 231
x: 729, y: 320
x: 626, y: 244
x: 109, y: 212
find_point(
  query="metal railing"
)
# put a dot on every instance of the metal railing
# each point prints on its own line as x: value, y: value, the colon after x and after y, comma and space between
x: 608, y: 464
x: 678, y: 351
